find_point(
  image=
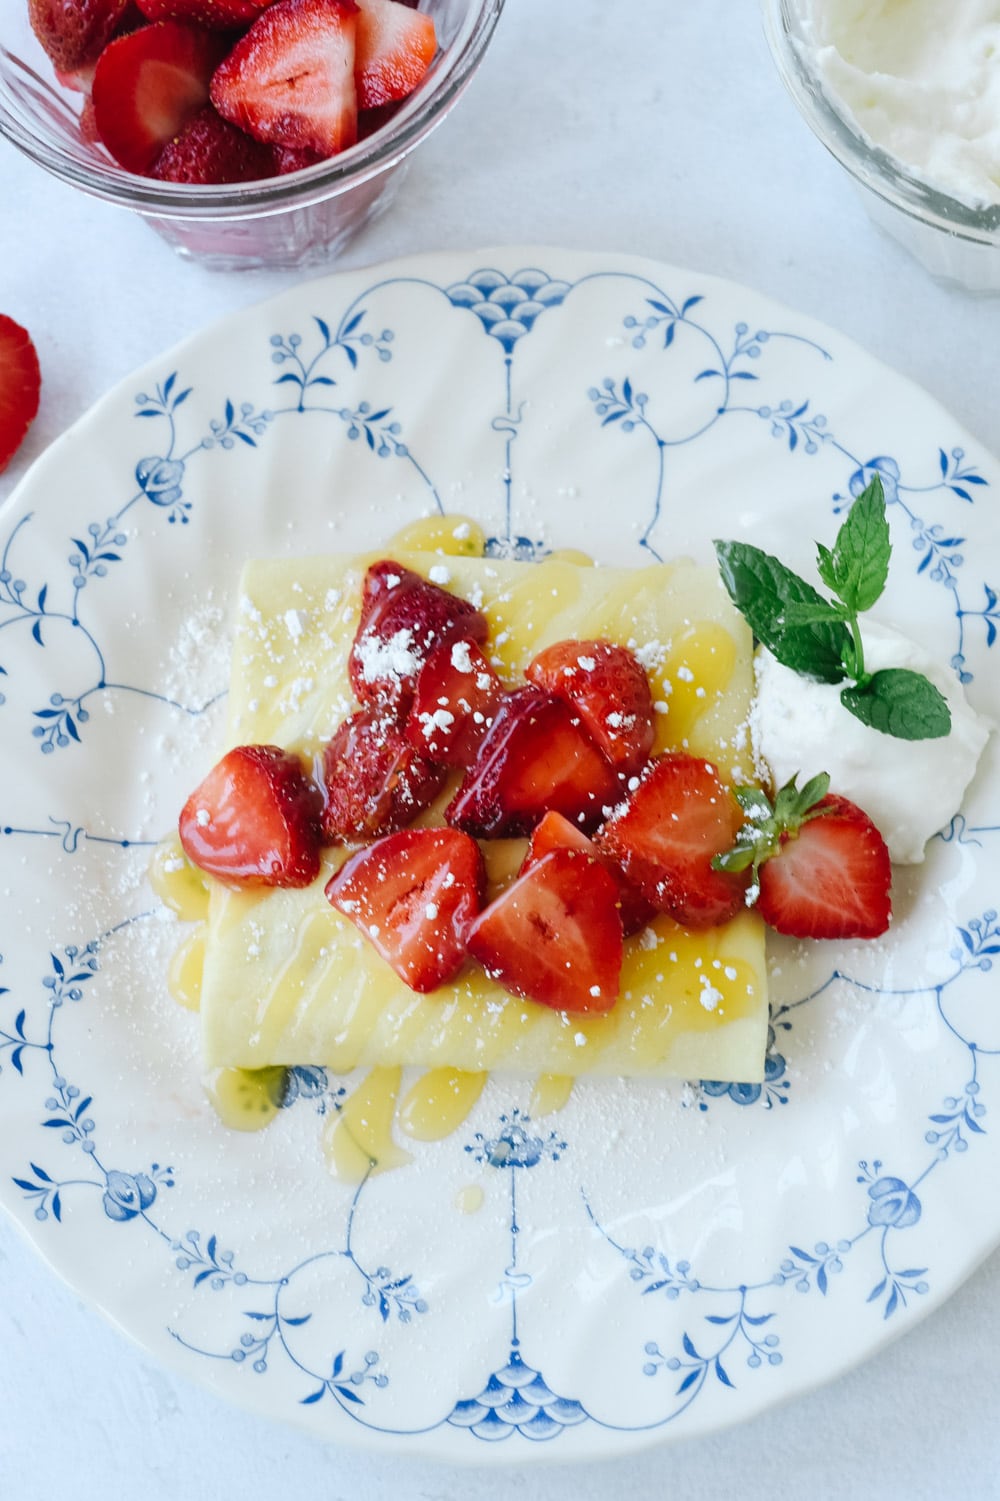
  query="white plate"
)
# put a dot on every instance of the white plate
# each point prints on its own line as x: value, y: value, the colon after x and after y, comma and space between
x: 654, y: 1261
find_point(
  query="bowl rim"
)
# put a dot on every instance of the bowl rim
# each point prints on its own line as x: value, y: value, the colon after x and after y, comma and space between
x: 870, y: 165
x: 384, y: 149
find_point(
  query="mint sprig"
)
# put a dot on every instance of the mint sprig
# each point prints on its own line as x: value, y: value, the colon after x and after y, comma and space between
x: 821, y: 638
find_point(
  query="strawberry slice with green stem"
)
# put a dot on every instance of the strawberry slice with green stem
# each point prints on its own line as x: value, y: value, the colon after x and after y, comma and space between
x: 414, y: 896
x: 667, y: 834
x: 290, y: 80
x: 609, y: 690
x: 819, y: 866
x: 555, y: 935
x: 254, y: 820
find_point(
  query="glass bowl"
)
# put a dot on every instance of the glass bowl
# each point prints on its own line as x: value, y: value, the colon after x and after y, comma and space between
x: 301, y: 219
x: 954, y: 241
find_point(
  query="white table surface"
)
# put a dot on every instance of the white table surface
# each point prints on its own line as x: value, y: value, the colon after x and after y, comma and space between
x: 655, y: 126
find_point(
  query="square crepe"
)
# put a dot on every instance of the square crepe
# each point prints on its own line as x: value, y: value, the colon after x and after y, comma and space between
x: 290, y: 981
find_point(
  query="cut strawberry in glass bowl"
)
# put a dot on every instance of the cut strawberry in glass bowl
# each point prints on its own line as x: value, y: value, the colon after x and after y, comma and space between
x: 305, y: 214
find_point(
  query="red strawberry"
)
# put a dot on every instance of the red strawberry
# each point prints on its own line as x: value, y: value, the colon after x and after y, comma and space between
x: 20, y: 387
x: 608, y: 689
x: 664, y: 839
x: 557, y: 833
x: 290, y: 159
x: 396, y: 46
x: 555, y: 936
x: 413, y: 895
x: 75, y: 32
x: 375, y: 781
x: 209, y: 150
x: 254, y: 821
x: 403, y: 617
x: 457, y: 696
x: 217, y: 15
x: 290, y: 79
x: 534, y: 758
x: 830, y: 878
x: 148, y: 86
x: 79, y: 80
x: 88, y: 124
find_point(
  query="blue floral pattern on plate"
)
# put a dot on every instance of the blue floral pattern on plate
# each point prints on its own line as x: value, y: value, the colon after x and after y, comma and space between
x: 573, y: 400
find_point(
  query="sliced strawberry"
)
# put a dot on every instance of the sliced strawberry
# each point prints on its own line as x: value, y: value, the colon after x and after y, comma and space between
x: 665, y: 837
x: 88, y: 124
x: 455, y: 702
x: 557, y: 833
x: 217, y: 15
x: 829, y: 879
x: 20, y: 387
x: 608, y: 689
x: 290, y: 79
x: 396, y: 46
x: 254, y: 820
x: 555, y: 936
x: 403, y: 618
x: 75, y: 32
x: 535, y: 757
x: 290, y: 159
x: 148, y: 86
x: 414, y: 895
x: 375, y: 781
x: 210, y: 150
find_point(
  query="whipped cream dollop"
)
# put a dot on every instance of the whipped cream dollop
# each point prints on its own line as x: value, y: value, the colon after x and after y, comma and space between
x: 909, y: 788
x: 921, y: 79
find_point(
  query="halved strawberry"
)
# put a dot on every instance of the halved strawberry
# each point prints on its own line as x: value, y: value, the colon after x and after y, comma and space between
x: 665, y: 837
x: 217, y: 15
x: 557, y: 833
x: 75, y: 32
x: 290, y: 79
x: 555, y: 936
x: 455, y: 702
x: 608, y: 689
x: 403, y: 618
x: 290, y: 159
x: 149, y: 85
x: 414, y: 895
x: 535, y: 757
x: 210, y: 150
x: 254, y: 820
x: 374, y: 779
x: 396, y: 46
x: 20, y: 387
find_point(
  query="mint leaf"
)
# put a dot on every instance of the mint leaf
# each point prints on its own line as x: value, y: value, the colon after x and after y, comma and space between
x: 763, y: 590
x: 898, y: 702
x: 806, y: 614
x: 858, y: 567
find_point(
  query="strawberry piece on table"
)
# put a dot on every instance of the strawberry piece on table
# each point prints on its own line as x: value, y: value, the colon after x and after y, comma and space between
x: 535, y: 757
x: 456, y: 699
x: 254, y: 820
x: 75, y: 32
x: 375, y: 781
x: 148, y: 86
x: 608, y: 689
x: 664, y: 839
x: 395, y: 47
x: 414, y: 895
x: 20, y: 387
x: 210, y: 150
x: 555, y: 936
x: 557, y: 833
x: 403, y: 618
x: 217, y: 15
x: 290, y: 79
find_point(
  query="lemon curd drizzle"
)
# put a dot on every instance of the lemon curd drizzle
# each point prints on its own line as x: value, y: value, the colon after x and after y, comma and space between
x: 713, y: 980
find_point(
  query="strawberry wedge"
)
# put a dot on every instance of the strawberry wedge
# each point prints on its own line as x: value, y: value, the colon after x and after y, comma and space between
x: 557, y: 833
x: 395, y: 47
x: 456, y: 700
x: 20, y: 387
x: 149, y: 85
x: 375, y: 781
x: 217, y: 15
x: 555, y: 936
x: 413, y: 895
x: 609, y: 690
x: 75, y: 33
x: 290, y: 79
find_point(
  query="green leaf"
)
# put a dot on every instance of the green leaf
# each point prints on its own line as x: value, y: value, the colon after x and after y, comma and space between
x: 858, y: 566
x: 808, y: 614
x: 898, y: 702
x: 763, y: 590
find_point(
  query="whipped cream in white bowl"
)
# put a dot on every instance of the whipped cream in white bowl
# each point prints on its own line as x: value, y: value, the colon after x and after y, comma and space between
x: 908, y: 788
